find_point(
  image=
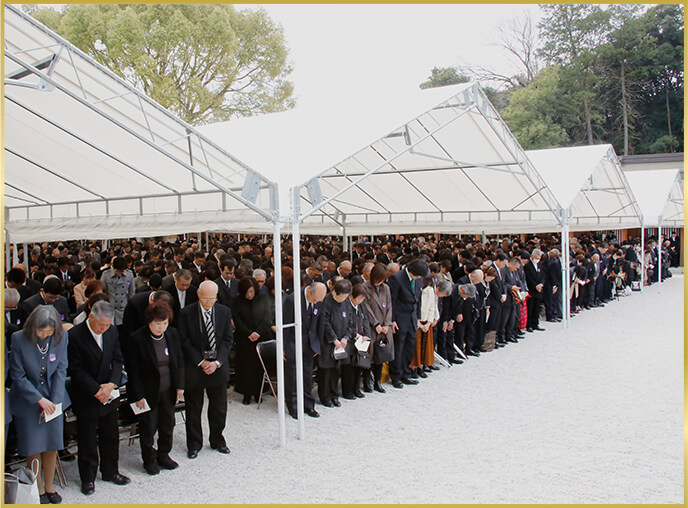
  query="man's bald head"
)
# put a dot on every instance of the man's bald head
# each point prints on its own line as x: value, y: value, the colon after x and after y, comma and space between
x: 316, y: 292
x: 207, y: 294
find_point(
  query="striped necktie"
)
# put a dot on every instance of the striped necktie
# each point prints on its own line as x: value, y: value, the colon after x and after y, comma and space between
x: 210, y: 330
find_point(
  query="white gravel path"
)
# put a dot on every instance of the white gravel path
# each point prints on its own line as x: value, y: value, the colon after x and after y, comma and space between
x: 591, y: 414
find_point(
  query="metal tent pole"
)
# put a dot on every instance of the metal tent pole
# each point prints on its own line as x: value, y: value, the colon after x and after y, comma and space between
x: 564, y: 277
x: 659, y: 255
x: 642, y: 256
x: 279, y: 326
x: 26, y: 257
x: 345, y: 241
x: 7, y: 252
x: 298, y: 325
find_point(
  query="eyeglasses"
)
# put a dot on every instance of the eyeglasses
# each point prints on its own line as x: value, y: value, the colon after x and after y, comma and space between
x: 208, y: 299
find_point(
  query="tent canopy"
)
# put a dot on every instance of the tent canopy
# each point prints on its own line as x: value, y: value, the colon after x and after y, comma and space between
x: 453, y: 167
x: 588, y: 181
x: 89, y: 156
x: 660, y: 196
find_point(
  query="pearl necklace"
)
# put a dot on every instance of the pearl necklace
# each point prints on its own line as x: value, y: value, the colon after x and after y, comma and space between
x: 157, y: 338
x: 44, y: 350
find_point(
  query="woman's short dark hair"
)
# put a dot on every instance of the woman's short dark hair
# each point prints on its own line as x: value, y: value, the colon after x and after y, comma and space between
x: 158, y: 311
x: 93, y: 299
x: 93, y: 287
x: 246, y: 283
x: 378, y: 273
x: 357, y: 290
x: 342, y: 287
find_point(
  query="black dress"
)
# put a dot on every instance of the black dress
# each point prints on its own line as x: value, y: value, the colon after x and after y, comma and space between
x: 250, y: 316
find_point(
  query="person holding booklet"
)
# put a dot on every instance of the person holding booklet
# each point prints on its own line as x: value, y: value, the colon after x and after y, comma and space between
x: 38, y: 367
x: 156, y: 382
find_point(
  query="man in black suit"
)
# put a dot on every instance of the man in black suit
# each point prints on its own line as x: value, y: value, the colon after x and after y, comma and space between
x: 535, y: 281
x: 405, y: 287
x: 227, y: 283
x: 95, y: 366
x: 507, y: 281
x: 183, y: 293
x: 311, y: 308
x: 206, y: 334
x: 49, y: 294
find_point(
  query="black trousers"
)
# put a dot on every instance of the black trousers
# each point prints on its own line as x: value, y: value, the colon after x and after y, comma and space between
x: 404, y: 349
x: 97, y: 436
x: 159, y: 419
x: 444, y: 341
x: 503, y: 331
x: 351, y: 380
x: 479, y: 329
x: 290, y: 382
x: 377, y: 371
x: 327, y: 384
x: 534, y: 310
x: 217, y: 415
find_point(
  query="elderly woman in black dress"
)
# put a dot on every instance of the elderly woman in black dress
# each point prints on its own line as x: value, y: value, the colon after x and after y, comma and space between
x: 253, y: 320
x: 156, y: 377
x: 38, y: 367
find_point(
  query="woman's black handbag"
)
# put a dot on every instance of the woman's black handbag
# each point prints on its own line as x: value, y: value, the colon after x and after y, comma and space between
x: 364, y: 359
x: 383, y: 350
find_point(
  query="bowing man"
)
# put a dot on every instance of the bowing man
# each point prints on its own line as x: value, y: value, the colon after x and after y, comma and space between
x: 206, y: 334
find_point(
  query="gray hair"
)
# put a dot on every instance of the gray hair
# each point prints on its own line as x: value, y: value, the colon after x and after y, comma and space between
x: 536, y: 253
x: 259, y: 271
x: 43, y: 316
x: 468, y: 290
x: 12, y: 295
x: 444, y: 287
x: 103, y: 310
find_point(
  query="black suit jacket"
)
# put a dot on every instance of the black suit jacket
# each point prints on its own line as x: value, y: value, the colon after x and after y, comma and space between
x: 405, y: 301
x: 194, y: 340
x: 309, y: 327
x: 225, y: 294
x: 533, y: 278
x: 142, y: 365
x: 89, y: 367
x: 191, y: 298
x: 133, y: 318
x: 337, y: 322
x: 28, y: 305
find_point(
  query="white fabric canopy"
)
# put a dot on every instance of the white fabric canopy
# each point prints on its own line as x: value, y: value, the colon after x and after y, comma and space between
x: 89, y: 156
x: 660, y: 196
x: 588, y: 181
x: 454, y: 167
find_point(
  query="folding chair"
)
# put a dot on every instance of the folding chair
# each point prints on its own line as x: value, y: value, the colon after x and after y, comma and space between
x: 267, y: 353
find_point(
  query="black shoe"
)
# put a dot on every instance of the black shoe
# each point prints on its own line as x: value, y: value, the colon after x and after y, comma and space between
x: 66, y: 456
x: 422, y: 373
x: 520, y: 334
x: 512, y: 340
x: 358, y: 394
x: 328, y: 403
x: 88, y: 488
x: 222, y: 449
x: 397, y: 384
x: 367, y: 387
x: 414, y: 374
x: 378, y: 387
x: 529, y: 330
x: 118, y: 479
x: 336, y: 403
x: 53, y: 498
x: 408, y: 381
x: 539, y: 329
x: 498, y: 345
x: 44, y: 499
x: 293, y: 415
x: 349, y: 397
x: 471, y: 352
x: 456, y: 361
x: 312, y: 413
x: 152, y: 469
x: 165, y: 462
x: 434, y: 367
x: 192, y: 454
x: 247, y: 400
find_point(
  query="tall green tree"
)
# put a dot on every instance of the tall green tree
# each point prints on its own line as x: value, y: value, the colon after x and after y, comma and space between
x: 570, y: 33
x: 207, y: 63
x: 443, y: 76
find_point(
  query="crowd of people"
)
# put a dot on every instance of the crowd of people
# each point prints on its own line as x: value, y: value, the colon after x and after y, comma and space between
x: 163, y: 323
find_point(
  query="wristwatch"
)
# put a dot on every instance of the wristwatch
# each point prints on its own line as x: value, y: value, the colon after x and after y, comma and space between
x: 218, y: 363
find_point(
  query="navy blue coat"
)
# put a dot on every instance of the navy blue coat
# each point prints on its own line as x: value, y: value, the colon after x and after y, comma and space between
x: 25, y: 370
x: 309, y: 327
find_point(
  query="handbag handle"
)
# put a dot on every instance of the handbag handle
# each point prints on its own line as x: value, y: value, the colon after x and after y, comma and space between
x: 38, y: 467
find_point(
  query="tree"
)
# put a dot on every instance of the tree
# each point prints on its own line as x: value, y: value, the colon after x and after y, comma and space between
x: 538, y: 115
x: 570, y: 33
x: 207, y: 63
x: 443, y: 76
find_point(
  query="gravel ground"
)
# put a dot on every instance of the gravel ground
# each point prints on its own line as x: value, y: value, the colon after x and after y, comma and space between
x: 591, y: 414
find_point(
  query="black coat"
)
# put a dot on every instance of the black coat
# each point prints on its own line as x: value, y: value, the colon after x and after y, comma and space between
x: 190, y: 298
x: 336, y: 323
x: 28, y: 305
x: 142, y: 365
x: 195, y: 340
x: 405, y: 300
x: 309, y: 327
x: 89, y: 367
x: 225, y: 294
x: 533, y: 277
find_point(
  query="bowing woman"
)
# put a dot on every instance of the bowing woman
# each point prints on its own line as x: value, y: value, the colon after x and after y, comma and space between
x: 156, y: 377
x: 253, y: 320
x: 38, y: 367
x: 494, y: 306
x: 379, y: 305
x: 351, y: 372
x: 337, y: 330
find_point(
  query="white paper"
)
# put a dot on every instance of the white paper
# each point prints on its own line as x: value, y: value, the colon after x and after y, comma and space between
x: 340, y: 349
x: 137, y: 410
x: 56, y: 413
x: 114, y: 394
x: 362, y: 343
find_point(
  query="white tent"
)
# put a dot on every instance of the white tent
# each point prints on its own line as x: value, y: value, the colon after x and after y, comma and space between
x: 87, y: 155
